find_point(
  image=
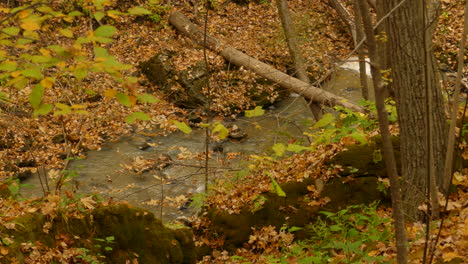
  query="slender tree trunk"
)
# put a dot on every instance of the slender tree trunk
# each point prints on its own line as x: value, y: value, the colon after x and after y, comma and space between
x: 389, y: 157
x: 405, y: 50
x: 362, y: 59
x: 298, y: 61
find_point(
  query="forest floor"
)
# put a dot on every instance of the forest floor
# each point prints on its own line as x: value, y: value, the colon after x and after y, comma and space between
x: 30, y: 143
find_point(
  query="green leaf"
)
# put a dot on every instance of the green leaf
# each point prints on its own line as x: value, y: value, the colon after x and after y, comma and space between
x: 35, y: 98
x: 279, y: 149
x: 40, y: 59
x: 124, y: 99
x: 74, y: 14
x: 258, y: 111
x: 298, y: 148
x: 99, y: 15
x: 8, y: 66
x: 137, y: 115
x: 33, y: 73
x: 222, y: 131
x: 64, y: 109
x: 275, y: 187
x: 43, y: 109
x: 12, y: 31
x: 359, y: 136
x: 66, y: 32
x: 147, y: 98
x: 80, y: 72
x: 138, y: 10
x: 325, y: 120
x: 105, y: 31
x: 101, y: 52
x: 182, y: 126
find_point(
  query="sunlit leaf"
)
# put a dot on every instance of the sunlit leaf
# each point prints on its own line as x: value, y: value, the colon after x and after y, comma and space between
x: 80, y: 72
x: 12, y: 31
x: 99, y: 15
x: 325, y: 120
x: 182, y: 126
x: 124, y: 99
x: 138, y: 10
x: 47, y: 82
x: 66, y: 32
x: 279, y: 149
x: 35, y: 98
x: 147, y: 98
x: 258, y: 111
x: 32, y: 22
x: 105, y: 31
x: 222, y: 131
x: 111, y: 93
x: 136, y: 116
x: 359, y: 136
x: 8, y: 65
x: 43, y: 109
x: 276, y: 188
x: 298, y: 148
x: 33, y: 73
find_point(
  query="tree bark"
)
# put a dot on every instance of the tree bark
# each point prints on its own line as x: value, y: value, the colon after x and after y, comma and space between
x: 298, y: 61
x: 362, y: 59
x: 405, y: 50
x: 181, y: 23
x: 389, y: 157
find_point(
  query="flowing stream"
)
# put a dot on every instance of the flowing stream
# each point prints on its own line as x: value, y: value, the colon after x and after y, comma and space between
x: 103, y: 170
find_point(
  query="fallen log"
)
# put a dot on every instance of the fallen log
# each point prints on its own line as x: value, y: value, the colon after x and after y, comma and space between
x: 183, y: 24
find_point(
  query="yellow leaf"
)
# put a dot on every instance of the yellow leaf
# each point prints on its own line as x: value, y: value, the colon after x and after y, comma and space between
x: 78, y: 106
x: 45, y: 52
x: 30, y: 25
x: 61, y: 64
x: 15, y: 74
x: 5, y: 10
x: 25, y: 13
x: 48, y: 82
x: 111, y: 93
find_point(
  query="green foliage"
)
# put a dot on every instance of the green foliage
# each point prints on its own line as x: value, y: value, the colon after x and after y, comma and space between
x: 106, y: 241
x: 347, y: 124
x: 182, y: 126
x: 354, y: 233
x: 42, y: 64
x: 258, y: 111
x: 87, y: 257
x: 198, y: 200
x: 275, y: 187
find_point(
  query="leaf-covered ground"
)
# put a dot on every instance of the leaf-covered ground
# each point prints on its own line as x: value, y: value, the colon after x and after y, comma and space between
x: 30, y: 142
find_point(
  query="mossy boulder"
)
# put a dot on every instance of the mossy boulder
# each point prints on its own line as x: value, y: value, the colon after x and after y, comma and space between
x: 366, y: 159
x: 292, y: 210
x: 136, y: 234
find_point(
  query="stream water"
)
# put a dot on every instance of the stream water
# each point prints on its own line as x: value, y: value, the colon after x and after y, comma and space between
x: 103, y: 170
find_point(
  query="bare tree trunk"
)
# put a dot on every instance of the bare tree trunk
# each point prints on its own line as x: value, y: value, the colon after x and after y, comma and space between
x: 362, y: 59
x: 298, y: 61
x: 181, y: 23
x: 345, y: 16
x: 389, y: 157
x: 405, y: 50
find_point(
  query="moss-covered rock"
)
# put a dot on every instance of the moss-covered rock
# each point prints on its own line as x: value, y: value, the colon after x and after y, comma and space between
x: 365, y: 160
x: 292, y: 210
x: 136, y: 234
